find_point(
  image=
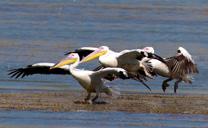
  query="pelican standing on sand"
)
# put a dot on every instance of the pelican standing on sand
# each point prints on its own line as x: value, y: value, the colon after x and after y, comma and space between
x: 179, y: 67
x: 91, y: 81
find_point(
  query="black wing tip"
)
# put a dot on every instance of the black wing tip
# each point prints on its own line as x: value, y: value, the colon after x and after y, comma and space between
x: 15, y: 73
x: 11, y: 71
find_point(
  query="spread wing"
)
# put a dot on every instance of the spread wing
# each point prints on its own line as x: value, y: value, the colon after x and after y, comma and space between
x: 181, y: 64
x: 83, y: 51
x: 38, y: 68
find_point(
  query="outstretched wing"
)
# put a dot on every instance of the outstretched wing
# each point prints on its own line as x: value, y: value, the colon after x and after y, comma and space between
x: 38, y: 68
x: 83, y: 51
x: 106, y: 72
x: 181, y: 64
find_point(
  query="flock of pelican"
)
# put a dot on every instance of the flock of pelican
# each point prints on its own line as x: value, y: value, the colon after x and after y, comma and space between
x: 137, y: 64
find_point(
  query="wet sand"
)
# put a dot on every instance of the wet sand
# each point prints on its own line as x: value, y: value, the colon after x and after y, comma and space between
x: 63, y: 101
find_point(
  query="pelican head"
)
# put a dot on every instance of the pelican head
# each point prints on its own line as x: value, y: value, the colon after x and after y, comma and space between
x: 149, y: 49
x: 71, y: 58
x: 97, y: 53
x: 185, y: 53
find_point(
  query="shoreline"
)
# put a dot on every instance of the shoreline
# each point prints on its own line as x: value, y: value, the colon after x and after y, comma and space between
x: 63, y: 101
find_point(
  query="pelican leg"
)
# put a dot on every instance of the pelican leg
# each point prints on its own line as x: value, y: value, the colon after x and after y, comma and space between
x: 176, y: 85
x: 145, y: 85
x: 165, y: 84
x: 140, y: 80
x: 86, y: 100
x: 87, y: 97
x: 96, y: 97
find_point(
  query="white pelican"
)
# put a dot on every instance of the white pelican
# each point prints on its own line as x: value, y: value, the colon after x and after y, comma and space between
x: 130, y: 60
x: 178, y: 67
x: 91, y: 81
x: 44, y: 67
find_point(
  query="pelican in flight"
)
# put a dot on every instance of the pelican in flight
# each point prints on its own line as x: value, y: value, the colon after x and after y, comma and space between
x: 44, y: 67
x: 91, y: 81
x: 179, y: 67
x: 130, y: 60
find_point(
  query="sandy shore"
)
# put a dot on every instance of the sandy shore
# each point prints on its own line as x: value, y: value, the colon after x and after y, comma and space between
x: 143, y: 103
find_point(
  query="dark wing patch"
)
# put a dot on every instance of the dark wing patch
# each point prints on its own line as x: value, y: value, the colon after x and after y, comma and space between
x: 31, y: 70
x: 112, y: 77
x: 180, y: 66
x: 81, y: 52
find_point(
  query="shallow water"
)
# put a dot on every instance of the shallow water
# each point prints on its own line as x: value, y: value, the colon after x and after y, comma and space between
x: 102, y: 119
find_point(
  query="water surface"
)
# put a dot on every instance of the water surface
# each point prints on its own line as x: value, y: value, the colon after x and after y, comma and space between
x: 102, y: 119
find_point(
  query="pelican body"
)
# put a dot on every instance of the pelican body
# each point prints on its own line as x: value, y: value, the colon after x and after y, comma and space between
x: 91, y: 81
x: 178, y: 67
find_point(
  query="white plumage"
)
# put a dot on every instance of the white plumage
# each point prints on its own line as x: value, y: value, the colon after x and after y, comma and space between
x: 91, y: 81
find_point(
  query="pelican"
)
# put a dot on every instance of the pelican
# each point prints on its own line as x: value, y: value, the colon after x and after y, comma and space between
x: 179, y: 67
x: 130, y: 60
x: 91, y: 81
x: 44, y: 67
